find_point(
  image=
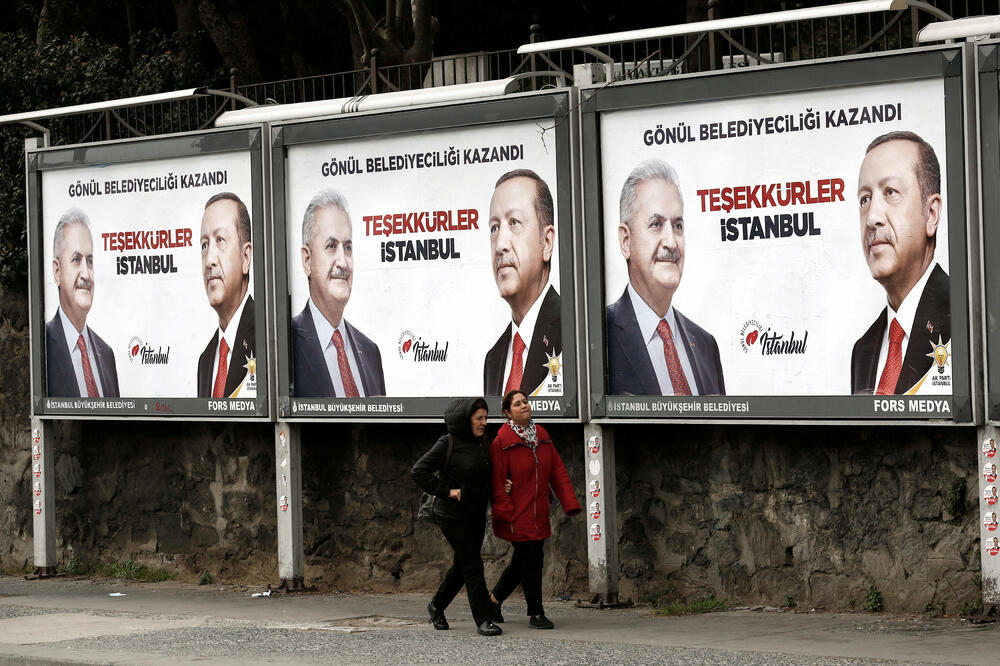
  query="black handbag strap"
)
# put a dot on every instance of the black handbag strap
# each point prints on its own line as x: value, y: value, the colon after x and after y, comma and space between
x: 447, y: 456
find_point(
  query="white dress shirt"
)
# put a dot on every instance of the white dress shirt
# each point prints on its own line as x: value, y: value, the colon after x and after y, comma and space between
x: 229, y: 335
x: 905, y: 315
x: 525, y: 330
x: 76, y: 356
x: 324, y: 331
x: 648, y: 321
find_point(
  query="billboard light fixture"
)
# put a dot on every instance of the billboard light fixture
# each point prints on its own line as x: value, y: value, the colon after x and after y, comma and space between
x: 973, y: 26
x: 382, y: 101
x: 31, y: 118
x: 734, y: 23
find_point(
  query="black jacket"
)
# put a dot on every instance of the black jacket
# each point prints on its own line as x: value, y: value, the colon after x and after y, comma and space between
x: 469, y: 467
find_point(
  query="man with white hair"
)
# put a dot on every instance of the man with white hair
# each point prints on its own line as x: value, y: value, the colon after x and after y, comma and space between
x: 78, y: 363
x: 652, y: 348
x: 331, y: 357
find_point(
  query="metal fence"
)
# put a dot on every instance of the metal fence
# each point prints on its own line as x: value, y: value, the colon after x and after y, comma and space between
x: 780, y: 42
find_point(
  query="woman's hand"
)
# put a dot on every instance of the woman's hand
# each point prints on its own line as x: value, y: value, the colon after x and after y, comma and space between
x: 456, y: 494
x: 507, y: 486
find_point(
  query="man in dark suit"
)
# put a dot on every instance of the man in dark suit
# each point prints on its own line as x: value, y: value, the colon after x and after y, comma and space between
x: 78, y: 362
x: 228, y: 366
x: 528, y: 354
x: 899, y: 193
x: 331, y: 357
x: 652, y: 348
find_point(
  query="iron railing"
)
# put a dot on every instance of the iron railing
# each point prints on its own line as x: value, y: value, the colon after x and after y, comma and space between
x: 787, y: 42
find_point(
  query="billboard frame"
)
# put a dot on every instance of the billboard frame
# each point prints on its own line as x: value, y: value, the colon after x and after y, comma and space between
x: 147, y: 149
x: 557, y: 107
x: 946, y: 62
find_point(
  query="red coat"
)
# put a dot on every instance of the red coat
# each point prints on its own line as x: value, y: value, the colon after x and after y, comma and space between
x: 524, y: 514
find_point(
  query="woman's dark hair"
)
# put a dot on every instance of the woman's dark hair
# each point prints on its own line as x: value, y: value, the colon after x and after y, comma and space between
x: 509, y: 398
x: 477, y: 405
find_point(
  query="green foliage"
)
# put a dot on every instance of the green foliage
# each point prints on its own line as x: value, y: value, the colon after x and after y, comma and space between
x: 974, y: 608
x: 789, y: 602
x: 935, y: 609
x: 708, y: 605
x: 873, y: 599
x: 73, y: 568
x: 205, y: 578
x: 62, y: 72
x: 132, y: 570
x: 954, y: 497
x: 852, y: 602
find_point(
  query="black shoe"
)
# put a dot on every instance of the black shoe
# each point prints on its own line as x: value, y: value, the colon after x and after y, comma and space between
x: 497, y: 615
x: 487, y: 628
x: 540, y: 622
x: 437, y: 617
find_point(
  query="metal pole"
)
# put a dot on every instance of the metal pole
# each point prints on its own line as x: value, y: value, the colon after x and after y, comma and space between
x: 602, y: 515
x: 233, y: 74
x: 535, y: 36
x: 374, y: 62
x: 987, y: 506
x: 43, y: 500
x: 713, y: 13
x: 288, y: 485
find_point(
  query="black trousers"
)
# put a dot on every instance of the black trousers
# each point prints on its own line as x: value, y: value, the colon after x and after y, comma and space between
x: 466, y: 539
x: 525, y: 569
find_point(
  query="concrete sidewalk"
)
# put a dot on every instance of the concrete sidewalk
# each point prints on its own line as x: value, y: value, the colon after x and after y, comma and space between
x: 76, y: 621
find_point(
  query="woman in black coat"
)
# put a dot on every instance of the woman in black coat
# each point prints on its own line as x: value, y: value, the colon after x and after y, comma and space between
x: 462, y: 492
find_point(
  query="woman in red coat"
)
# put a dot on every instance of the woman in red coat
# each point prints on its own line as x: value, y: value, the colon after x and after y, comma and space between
x: 523, y: 453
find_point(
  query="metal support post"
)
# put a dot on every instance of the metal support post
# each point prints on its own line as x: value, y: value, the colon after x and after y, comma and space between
x: 288, y: 482
x: 43, y: 499
x: 988, y: 507
x: 601, y: 509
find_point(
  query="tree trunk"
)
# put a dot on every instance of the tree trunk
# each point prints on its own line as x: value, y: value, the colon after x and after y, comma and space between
x: 231, y: 37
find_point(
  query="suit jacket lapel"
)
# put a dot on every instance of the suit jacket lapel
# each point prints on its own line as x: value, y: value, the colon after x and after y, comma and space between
x: 692, y: 350
x: 205, y: 370
x: 931, y: 320
x: 630, y: 337
x: 546, y: 328
x: 312, y: 377
x: 361, y: 356
x: 243, y: 347
x: 494, y: 381
x: 60, y: 373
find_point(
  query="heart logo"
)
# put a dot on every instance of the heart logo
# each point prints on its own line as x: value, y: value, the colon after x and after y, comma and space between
x: 751, y: 337
x: 135, y: 350
x: 407, y: 345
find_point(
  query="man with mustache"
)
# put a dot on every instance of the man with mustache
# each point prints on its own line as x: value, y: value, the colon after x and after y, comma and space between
x: 899, y: 195
x: 522, y: 240
x: 652, y: 348
x: 228, y: 366
x: 78, y: 363
x: 332, y: 359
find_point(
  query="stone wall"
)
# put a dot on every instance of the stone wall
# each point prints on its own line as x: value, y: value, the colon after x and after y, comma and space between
x: 750, y: 513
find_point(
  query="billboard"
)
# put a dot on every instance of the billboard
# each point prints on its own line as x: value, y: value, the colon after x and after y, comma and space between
x: 427, y: 255
x: 147, y: 265
x: 789, y: 253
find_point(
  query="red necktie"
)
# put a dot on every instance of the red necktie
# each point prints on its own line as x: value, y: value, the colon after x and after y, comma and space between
x: 677, y: 378
x: 893, y: 361
x: 346, y: 376
x: 222, y: 371
x: 88, y: 372
x: 516, y: 366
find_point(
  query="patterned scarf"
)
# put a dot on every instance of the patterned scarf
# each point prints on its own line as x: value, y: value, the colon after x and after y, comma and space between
x: 527, y: 433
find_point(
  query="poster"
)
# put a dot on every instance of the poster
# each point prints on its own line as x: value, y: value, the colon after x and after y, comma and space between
x: 148, y: 271
x: 425, y: 265
x: 775, y: 246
